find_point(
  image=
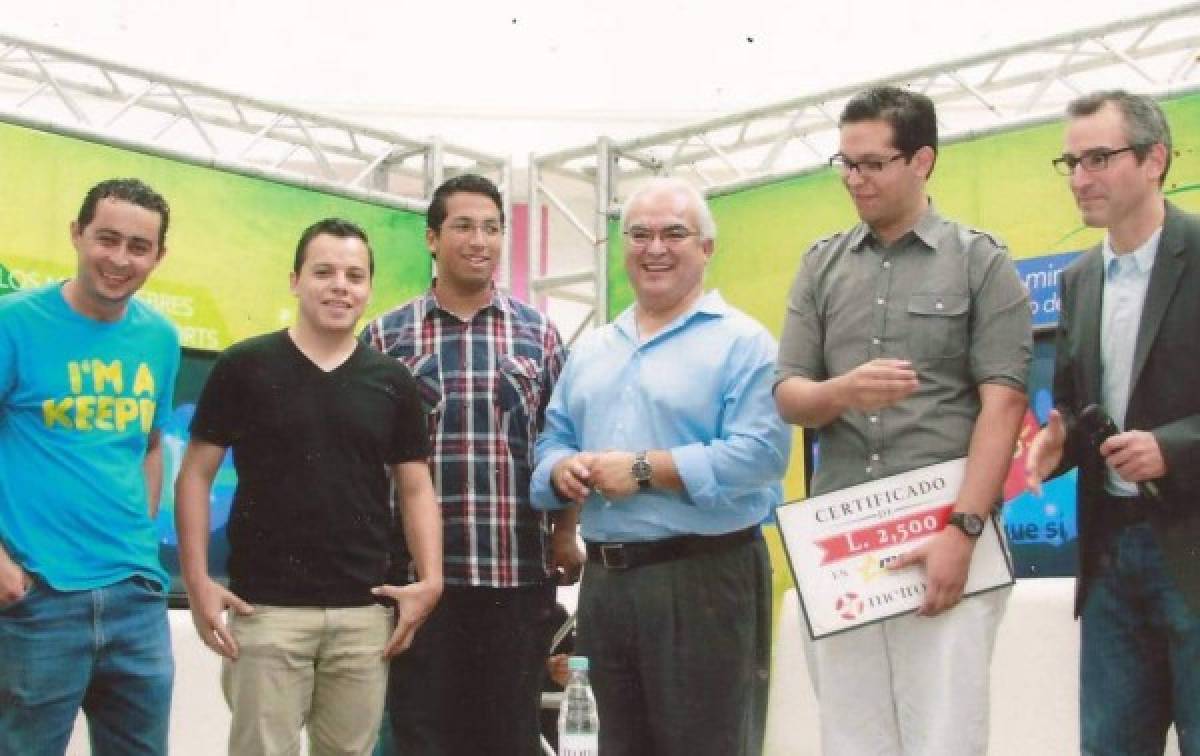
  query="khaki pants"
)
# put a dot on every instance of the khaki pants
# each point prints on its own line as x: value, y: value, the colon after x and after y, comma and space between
x: 323, y: 668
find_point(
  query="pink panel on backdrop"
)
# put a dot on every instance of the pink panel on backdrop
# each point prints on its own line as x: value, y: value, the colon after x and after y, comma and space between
x: 520, y: 251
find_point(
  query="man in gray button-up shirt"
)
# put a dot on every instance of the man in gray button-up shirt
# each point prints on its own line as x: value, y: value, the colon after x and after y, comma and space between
x: 907, y: 342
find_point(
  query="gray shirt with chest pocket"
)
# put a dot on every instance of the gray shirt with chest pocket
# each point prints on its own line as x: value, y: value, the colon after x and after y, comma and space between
x: 945, y: 297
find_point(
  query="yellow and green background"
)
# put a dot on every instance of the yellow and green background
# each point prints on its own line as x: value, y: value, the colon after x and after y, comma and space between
x: 230, y: 242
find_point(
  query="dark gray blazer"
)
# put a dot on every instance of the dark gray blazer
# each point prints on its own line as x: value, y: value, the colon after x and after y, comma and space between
x: 1164, y: 394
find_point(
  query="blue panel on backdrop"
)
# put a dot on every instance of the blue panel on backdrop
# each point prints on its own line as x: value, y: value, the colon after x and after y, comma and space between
x: 1042, y: 531
x: 1040, y: 276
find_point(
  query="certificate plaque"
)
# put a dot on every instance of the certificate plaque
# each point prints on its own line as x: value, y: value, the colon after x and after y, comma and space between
x: 839, y: 546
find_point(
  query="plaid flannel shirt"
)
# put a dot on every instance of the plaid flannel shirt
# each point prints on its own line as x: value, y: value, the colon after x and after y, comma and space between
x: 485, y: 384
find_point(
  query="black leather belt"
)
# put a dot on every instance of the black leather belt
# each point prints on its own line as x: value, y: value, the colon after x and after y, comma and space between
x: 1122, y: 511
x: 624, y: 556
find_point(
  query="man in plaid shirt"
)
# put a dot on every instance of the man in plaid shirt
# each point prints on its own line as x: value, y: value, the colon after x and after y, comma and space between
x: 485, y: 365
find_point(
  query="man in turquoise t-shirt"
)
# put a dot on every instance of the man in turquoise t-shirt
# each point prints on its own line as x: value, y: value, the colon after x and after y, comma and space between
x: 86, y: 379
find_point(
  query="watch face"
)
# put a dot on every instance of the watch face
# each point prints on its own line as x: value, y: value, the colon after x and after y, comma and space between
x: 975, y: 523
x: 641, y: 469
x: 969, y: 523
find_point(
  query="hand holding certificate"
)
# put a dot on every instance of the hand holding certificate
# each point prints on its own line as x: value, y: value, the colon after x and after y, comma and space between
x: 840, y: 546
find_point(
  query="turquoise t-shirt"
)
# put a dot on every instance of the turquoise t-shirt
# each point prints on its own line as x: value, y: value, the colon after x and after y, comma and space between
x: 78, y: 400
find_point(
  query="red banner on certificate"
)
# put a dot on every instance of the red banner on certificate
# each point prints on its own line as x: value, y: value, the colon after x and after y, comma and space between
x: 839, y: 546
x: 875, y: 537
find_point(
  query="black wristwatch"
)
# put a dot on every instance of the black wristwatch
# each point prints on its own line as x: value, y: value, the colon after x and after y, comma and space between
x: 967, y: 522
x: 642, y: 471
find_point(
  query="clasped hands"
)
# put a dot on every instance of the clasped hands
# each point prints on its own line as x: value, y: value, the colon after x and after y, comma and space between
x: 608, y: 473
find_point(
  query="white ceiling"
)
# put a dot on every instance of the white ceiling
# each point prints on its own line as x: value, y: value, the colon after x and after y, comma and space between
x: 537, y: 75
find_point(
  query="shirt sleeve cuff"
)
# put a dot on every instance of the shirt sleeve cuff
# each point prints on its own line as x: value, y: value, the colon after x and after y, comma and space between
x: 1005, y: 379
x: 541, y: 492
x: 699, y: 483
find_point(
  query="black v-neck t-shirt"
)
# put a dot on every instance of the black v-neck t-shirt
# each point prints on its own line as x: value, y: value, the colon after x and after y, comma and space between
x: 311, y: 523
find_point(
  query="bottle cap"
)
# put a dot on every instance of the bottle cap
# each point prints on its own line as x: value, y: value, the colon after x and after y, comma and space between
x: 577, y: 664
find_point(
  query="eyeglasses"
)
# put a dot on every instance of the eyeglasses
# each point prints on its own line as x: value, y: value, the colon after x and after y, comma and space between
x: 490, y: 229
x: 671, y: 236
x: 845, y: 165
x: 1092, y: 160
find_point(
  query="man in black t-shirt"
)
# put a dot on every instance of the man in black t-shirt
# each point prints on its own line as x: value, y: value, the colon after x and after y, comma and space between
x: 315, y: 420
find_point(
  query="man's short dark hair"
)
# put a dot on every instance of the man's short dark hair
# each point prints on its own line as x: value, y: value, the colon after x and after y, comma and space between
x: 1145, y: 123
x: 127, y: 190
x: 467, y: 182
x: 339, y: 227
x: 910, y: 114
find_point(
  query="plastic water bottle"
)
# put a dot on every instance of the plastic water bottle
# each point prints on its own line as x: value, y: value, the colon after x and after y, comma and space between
x: 578, y: 722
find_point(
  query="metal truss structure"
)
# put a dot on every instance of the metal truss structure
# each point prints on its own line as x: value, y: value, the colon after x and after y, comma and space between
x: 1157, y: 53
x: 78, y: 95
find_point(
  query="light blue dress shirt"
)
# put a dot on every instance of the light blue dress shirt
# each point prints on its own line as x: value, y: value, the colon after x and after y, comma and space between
x: 700, y: 388
x: 1126, y: 278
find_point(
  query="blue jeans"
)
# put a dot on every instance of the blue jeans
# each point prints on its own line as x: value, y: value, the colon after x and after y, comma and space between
x: 107, y: 650
x: 1139, y: 665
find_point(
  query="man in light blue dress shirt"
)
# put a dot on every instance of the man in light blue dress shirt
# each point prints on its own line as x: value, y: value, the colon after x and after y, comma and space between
x: 663, y: 429
x: 1138, y: 592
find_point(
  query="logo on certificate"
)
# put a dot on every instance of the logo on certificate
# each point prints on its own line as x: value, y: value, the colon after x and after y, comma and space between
x: 848, y: 606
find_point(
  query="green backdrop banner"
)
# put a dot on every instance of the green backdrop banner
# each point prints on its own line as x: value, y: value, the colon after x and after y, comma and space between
x: 230, y: 243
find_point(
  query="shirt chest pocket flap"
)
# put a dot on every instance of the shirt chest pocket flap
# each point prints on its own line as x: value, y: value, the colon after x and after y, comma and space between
x: 427, y: 372
x: 937, y: 325
x: 519, y: 387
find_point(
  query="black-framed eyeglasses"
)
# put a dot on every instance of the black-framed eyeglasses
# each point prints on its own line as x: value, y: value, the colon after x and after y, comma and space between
x: 845, y: 165
x: 1092, y: 160
x: 640, y: 237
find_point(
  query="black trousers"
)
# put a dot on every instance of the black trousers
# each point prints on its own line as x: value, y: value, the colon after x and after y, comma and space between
x: 680, y: 653
x: 470, y: 685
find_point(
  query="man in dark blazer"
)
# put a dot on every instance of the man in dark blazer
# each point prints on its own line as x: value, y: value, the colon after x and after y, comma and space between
x: 1128, y: 342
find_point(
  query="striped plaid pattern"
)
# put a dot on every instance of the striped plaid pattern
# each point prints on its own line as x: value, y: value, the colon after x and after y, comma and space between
x: 485, y: 385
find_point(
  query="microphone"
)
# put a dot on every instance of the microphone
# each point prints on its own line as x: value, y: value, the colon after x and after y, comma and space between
x: 1097, y: 425
x: 1098, y: 428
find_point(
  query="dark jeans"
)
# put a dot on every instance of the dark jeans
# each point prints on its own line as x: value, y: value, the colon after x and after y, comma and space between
x: 107, y: 650
x: 680, y: 653
x: 1140, y: 658
x: 471, y: 683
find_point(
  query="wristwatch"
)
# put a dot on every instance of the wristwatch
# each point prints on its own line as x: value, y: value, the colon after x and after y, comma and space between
x: 967, y: 522
x: 642, y: 471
